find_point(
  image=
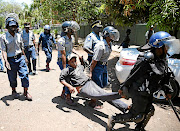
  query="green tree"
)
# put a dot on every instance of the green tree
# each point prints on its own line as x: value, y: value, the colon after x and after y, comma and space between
x: 6, y: 8
x: 62, y: 10
x: 163, y: 13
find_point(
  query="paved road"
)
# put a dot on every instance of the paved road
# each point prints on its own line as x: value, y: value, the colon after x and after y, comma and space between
x: 48, y: 111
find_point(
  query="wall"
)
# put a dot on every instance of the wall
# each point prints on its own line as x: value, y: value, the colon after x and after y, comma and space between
x: 137, y: 36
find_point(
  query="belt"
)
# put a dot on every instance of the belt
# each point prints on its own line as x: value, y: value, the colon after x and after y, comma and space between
x: 102, y: 63
x: 16, y: 56
x: 29, y: 46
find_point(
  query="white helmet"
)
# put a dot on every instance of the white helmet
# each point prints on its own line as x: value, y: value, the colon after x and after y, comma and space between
x: 47, y: 27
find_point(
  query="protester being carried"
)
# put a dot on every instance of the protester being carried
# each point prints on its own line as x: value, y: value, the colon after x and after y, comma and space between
x: 74, y: 78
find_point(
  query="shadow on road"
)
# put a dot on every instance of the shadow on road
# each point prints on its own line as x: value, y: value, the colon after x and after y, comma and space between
x: 126, y: 128
x: 114, y: 83
x: 86, y: 111
x: 44, y: 70
x: 7, y: 98
x: 166, y: 106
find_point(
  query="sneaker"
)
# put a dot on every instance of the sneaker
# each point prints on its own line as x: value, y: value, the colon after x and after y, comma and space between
x: 35, y: 72
x: 30, y: 73
x: 28, y: 97
x: 15, y: 95
x: 71, y: 102
x: 110, y: 123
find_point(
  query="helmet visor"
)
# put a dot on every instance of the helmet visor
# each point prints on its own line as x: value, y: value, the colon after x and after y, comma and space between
x: 114, y: 35
x: 173, y: 46
x: 75, y: 26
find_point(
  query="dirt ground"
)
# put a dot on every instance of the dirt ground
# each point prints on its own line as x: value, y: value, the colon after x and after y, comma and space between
x: 48, y: 111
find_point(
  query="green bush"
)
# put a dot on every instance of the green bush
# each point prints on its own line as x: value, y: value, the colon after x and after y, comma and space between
x: 38, y: 31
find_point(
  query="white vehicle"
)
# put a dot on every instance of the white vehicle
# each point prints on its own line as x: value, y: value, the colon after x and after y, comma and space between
x: 128, y: 58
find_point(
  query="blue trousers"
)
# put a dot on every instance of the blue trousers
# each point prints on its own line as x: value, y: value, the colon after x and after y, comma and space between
x: 61, y: 67
x: 48, y: 52
x: 1, y: 63
x: 31, y: 53
x: 100, y: 75
x: 18, y: 65
x: 89, y: 58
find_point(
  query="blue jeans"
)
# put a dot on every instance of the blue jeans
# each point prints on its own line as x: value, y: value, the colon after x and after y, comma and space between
x: 100, y: 75
x: 18, y: 65
x: 48, y: 52
x: 61, y: 67
x: 31, y: 53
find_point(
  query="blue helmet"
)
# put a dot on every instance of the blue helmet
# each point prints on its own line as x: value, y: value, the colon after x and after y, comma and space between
x: 159, y: 39
x: 111, y: 32
x: 47, y: 27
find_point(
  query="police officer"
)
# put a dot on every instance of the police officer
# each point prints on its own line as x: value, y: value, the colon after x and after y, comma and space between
x: 148, y: 75
x: 65, y: 48
x: 92, y: 39
x: 47, y: 40
x: 149, y: 33
x: 30, y: 47
x: 13, y: 54
x: 102, y: 51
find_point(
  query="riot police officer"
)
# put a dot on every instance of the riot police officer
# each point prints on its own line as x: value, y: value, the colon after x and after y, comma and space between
x: 30, y: 47
x: 102, y: 51
x: 148, y: 75
x: 65, y: 48
x: 14, y: 57
x: 92, y: 39
x: 47, y: 40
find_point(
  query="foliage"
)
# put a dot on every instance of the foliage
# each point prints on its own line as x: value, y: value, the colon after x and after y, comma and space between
x: 38, y: 31
x: 55, y: 11
x: 164, y: 13
x: 6, y: 8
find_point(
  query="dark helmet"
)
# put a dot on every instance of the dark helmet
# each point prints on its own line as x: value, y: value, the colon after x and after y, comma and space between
x: 70, y: 25
x: 11, y: 21
x: 27, y: 25
x: 96, y: 23
x: 111, y: 32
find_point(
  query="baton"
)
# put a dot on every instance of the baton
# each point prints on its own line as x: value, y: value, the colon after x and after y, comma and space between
x: 38, y: 61
x: 171, y: 104
x: 37, y: 53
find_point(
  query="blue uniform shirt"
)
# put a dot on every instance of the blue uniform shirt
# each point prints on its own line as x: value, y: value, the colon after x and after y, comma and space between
x: 47, y: 40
